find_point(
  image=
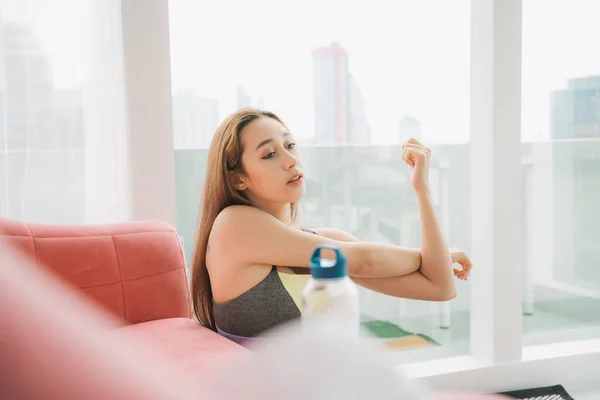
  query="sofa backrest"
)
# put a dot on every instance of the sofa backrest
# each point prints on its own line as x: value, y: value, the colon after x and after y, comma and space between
x: 134, y: 270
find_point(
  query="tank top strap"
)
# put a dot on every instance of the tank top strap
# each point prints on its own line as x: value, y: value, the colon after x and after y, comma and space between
x: 308, y: 230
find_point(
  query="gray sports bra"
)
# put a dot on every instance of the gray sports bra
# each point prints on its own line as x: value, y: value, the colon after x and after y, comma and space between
x: 273, y: 301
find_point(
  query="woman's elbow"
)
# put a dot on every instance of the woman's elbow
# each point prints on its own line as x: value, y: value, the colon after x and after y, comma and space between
x: 447, y: 293
x: 443, y: 292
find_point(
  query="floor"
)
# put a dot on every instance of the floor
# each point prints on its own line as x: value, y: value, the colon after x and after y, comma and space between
x: 567, y: 319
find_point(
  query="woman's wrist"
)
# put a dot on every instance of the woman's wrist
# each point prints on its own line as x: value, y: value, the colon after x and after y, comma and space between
x: 423, y: 192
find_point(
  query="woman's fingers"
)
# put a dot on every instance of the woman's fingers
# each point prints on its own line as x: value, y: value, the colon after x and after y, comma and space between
x: 415, y: 144
x: 467, y: 266
x: 461, y: 258
x: 407, y: 158
x: 460, y: 275
x: 412, y: 150
x: 414, y: 141
x: 412, y: 154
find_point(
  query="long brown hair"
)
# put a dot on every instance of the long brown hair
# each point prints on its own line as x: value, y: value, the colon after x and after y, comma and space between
x: 224, y: 157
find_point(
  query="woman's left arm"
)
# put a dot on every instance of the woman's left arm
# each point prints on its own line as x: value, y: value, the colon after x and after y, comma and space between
x: 411, y: 286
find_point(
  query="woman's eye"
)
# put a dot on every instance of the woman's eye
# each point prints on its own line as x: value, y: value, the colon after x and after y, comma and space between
x: 270, y: 155
x: 291, y: 146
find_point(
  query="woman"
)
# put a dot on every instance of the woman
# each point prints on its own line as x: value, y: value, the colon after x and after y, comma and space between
x: 249, y: 247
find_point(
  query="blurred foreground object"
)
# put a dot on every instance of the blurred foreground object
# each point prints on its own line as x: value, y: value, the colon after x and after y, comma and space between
x: 56, y: 344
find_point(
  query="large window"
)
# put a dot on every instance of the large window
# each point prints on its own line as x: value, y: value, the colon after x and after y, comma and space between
x: 353, y: 81
x: 63, y: 150
x: 41, y: 112
x: 561, y: 172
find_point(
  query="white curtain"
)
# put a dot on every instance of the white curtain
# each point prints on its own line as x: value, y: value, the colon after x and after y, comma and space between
x: 63, y: 127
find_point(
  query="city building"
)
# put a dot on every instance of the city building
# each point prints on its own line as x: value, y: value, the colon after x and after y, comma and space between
x: 41, y: 134
x: 38, y: 116
x: 340, y: 116
x: 575, y: 114
x: 575, y: 110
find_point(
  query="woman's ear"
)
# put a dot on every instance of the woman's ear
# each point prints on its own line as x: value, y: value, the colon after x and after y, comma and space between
x: 237, y: 180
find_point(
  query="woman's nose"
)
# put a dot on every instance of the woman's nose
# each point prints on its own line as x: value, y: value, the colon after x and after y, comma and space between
x: 289, y: 161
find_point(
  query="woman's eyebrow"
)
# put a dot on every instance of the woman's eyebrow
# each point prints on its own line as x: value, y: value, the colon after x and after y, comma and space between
x: 267, y: 141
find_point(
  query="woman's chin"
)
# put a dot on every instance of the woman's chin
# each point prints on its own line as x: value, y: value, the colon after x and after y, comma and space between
x: 297, y: 195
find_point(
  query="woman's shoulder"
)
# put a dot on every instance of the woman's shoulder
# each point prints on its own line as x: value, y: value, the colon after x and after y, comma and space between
x: 238, y: 210
x: 235, y: 215
x: 230, y: 233
x: 241, y: 211
x: 243, y: 236
x: 241, y: 221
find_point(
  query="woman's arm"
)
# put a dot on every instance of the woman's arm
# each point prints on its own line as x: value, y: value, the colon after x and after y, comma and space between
x: 434, y: 279
x: 412, y: 286
x: 436, y: 262
x: 244, y: 236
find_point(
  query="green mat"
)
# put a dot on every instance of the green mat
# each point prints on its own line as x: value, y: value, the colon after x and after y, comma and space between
x: 388, y: 330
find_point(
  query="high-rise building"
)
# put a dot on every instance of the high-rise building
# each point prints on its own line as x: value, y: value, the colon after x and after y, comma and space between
x: 331, y: 86
x: 575, y: 110
x: 340, y: 115
x: 575, y: 114
x: 41, y: 134
x: 34, y: 115
x: 359, y: 130
x: 195, y: 120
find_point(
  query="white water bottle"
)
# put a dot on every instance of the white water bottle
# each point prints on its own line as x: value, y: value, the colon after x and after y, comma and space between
x: 330, y: 298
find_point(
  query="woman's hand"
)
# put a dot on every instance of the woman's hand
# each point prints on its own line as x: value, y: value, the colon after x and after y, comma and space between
x: 459, y: 256
x: 417, y: 156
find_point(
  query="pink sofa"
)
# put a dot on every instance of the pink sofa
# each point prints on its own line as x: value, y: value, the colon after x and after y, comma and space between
x: 53, y: 347
x: 134, y: 271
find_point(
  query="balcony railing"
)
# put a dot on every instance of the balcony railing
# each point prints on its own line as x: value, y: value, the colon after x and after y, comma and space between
x: 365, y: 191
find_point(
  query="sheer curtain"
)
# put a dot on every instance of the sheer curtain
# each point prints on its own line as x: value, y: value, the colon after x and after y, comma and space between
x: 63, y: 128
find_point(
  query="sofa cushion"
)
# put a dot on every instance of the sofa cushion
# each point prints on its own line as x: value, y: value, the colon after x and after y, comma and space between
x: 190, y: 347
x: 134, y: 270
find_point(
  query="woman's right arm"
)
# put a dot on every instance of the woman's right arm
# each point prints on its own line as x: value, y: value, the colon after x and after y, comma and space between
x: 436, y: 262
x: 243, y: 235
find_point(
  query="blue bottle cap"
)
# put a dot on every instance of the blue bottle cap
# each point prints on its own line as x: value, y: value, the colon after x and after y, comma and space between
x: 327, y: 270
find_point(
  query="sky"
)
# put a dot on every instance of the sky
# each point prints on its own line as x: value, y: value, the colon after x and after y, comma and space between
x: 408, y: 57
x: 401, y: 65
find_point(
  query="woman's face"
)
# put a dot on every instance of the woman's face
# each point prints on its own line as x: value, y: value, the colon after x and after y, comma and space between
x: 272, y: 166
